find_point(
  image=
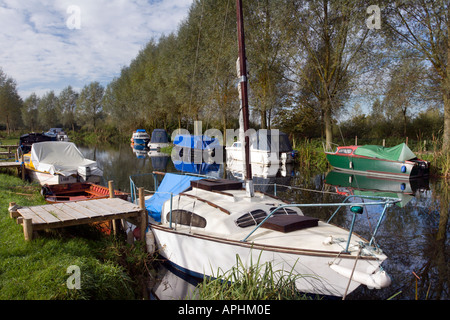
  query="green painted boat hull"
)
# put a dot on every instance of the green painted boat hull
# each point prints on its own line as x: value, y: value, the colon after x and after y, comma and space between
x: 375, y: 166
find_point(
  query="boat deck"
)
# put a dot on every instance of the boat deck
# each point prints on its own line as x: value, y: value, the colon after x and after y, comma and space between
x: 74, y: 213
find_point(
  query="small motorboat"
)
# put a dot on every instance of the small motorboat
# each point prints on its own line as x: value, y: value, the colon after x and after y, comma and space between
x: 140, y: 136
x: 396, y: 162
x: 77, y: 192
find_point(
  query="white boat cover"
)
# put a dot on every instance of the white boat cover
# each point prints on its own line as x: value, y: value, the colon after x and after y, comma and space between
x: 59, y: 157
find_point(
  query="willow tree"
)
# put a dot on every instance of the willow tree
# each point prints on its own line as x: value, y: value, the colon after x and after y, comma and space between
x: 10, y: 102
x: 329, y: 46
x: 423, y: 27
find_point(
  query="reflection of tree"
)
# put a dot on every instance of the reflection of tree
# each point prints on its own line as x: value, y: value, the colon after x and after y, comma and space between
x: 434, y: 283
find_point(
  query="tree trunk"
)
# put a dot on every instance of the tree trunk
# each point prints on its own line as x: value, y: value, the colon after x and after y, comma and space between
x: 327, y: 124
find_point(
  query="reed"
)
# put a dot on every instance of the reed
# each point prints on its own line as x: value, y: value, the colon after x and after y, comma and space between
x: 310, y: 155
x: 256, y: 282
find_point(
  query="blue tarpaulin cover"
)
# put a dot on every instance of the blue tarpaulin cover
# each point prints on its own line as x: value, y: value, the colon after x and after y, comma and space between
x: 172, y: 183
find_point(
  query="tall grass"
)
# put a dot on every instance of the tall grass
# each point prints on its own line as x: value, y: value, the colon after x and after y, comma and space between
x: 310, y: 155
x: 256, y: 282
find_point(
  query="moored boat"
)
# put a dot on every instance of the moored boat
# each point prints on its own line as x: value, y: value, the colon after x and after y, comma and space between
x: 140, y: 136
x: 396, y: 162
x: 159, y: 140
x: 77, y: 192
x: 267, y: 147
x: 60, y: 162
x: 201, y: 225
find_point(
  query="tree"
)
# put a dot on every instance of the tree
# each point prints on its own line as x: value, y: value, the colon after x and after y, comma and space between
x: 10, y: 102
x: 89, y: 106
x: 330, y: 43
x: 422, y: 27
x: 48, y: 111
x: 67, y: 100
x: 30, y: 112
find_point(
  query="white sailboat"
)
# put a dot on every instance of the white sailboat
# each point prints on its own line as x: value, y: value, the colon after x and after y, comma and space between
x: 201, y: 225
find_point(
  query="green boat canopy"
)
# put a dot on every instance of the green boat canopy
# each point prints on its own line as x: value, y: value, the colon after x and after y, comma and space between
x: 400, y: 152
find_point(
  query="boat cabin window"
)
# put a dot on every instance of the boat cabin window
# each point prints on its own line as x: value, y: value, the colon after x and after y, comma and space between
x: 283, y: 211
x: 187, y: 218
x: 236, y: 145
x: 345, y: 150
x: 252, y: 218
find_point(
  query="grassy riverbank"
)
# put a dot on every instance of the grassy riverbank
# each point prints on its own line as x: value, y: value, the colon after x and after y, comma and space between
x: 37, y: 269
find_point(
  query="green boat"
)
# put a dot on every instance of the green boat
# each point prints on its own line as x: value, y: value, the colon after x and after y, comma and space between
x: 397, y: 162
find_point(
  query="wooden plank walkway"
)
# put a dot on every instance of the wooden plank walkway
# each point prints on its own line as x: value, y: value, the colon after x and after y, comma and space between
x: 76, y: 213
x: 10, y: 164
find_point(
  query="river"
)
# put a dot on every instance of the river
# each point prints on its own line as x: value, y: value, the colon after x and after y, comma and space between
x: 414, y: 234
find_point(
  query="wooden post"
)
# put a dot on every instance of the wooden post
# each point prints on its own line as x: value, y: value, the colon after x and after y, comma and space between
x: 111, y: 195
x: 144, y: 216
x: 384, y: 142
x: 12, y: 212
x: 356, y: 140
x: 27, y: 229
x: 23, y: 168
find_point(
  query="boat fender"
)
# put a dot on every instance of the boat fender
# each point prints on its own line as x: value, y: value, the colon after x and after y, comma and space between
x: 150, y: 241
x: 350, y: 164
x: 403, y: 169
x: 377, y: 280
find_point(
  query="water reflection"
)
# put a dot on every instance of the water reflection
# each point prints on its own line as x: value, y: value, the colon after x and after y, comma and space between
x: 414, y: 235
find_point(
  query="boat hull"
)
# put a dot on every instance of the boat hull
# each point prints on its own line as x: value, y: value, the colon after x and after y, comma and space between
x: 201, y: 255
x: 44, y: 178
x: 376, y: 167
x: 259, y: 156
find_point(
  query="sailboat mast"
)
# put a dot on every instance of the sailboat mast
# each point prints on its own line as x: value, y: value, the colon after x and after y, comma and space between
x: 244, y: 97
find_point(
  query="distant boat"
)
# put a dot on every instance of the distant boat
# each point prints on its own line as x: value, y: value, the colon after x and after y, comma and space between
x: 159, y: 140
x: 140, y: 136
x: 396, y: 162
x: 59, y: 162
x: 58, y: 134
x: 263, y: 149
x: 27, y: 140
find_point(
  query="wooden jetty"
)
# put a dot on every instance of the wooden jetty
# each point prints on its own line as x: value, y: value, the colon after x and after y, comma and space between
x: 65, y: 214
x: 18, y: 165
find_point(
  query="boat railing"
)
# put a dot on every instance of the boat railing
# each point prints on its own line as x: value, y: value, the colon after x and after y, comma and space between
x: 355, y: 207
x: 329, y: 147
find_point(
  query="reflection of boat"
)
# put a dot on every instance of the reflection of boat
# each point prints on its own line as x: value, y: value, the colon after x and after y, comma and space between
x: 259, y: 170
x: 171, y: 284
x: 267, y: 147
x: 399, y: 161
x: 354, y: 184
x: 55, y: 162
x: 201, y: 225
x: 140, y: 150
x: 159, y: 139
x: 196, y: 149
x: 197, y: 168
x: 159, y: 160
x: 140, y: 136
x: 78, y: 191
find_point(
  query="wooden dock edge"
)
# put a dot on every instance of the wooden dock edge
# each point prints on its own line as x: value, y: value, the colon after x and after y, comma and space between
x: 142, y: 219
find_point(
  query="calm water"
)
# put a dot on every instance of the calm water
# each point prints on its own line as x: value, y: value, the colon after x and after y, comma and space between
x: 414, y: 234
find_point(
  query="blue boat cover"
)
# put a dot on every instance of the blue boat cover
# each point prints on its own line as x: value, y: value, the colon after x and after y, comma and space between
x: 172, y: 183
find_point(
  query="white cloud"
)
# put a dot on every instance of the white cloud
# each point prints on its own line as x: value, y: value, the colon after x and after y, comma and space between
x: 42, y: 53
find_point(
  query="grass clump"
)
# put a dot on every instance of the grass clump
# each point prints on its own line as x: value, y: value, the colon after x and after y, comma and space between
x: 256, y: 282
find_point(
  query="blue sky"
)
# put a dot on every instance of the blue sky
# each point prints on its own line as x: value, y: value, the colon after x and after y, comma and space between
x: 48, y: 45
